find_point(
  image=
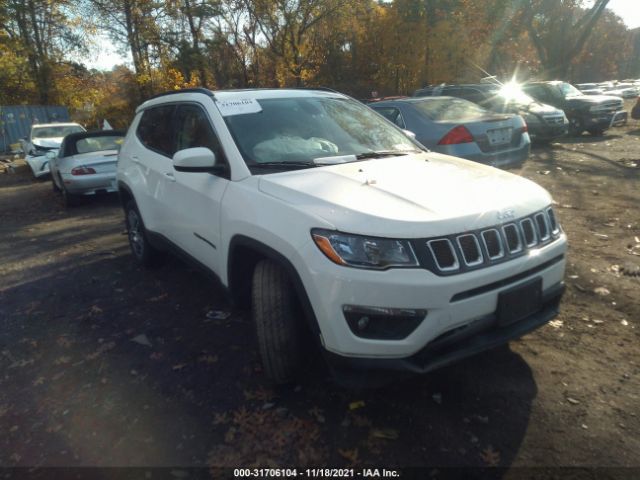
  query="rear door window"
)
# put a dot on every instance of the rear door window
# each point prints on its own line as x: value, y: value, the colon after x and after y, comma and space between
x: 155, y: 129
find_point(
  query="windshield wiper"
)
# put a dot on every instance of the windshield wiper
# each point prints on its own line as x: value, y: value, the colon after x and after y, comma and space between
x: 278, y: 165
x: 384, y: 153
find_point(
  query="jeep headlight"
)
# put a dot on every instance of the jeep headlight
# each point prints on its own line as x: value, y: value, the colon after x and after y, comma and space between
x: 364, y: 252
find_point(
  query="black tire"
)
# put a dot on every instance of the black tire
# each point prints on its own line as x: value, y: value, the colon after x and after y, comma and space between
x: 278, y: 320
x: 54, y: 186
x: 576, y: 126
x: 596, y: 132
x: 143, y: 252
x: 68, y: 199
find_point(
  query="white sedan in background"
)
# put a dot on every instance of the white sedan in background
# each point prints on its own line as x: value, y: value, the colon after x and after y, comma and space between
x: 86, y: 164
x: 43, y: 138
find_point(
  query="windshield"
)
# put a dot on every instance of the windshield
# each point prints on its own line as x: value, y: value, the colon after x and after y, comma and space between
x: 55, y: 132
x: 449, y: 109
x: 98, y: 144
x: 569, y: 90
x: 301, y: 130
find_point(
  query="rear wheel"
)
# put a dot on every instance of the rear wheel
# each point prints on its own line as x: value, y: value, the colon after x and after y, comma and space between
x: 278, y: 321
x: 69, y: 199
x: 143, y: 252
x: 54, y: 185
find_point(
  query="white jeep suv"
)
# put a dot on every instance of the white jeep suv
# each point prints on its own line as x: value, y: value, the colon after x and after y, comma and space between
x: 324, y: 216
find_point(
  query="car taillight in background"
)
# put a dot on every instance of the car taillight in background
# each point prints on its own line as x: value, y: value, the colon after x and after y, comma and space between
x: 82, y: 171
x: 459, y: 134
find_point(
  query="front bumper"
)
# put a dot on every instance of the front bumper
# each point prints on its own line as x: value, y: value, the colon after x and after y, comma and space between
x: 605, y: 121
x: 541, y: 132
x: 90, y: 184
x: 453, y: 302
x: 39, y: 165
x: 483, y: 334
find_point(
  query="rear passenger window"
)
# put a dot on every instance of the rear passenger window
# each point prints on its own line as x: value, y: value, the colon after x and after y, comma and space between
x: 154, y: 129
x: 194, y: 130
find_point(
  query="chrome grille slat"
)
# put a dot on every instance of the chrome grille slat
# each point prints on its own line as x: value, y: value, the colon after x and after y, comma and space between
x: 456, y: 253
x: 491, y: 238
x: 515, y: 245
x: 435, y: 246
x: 471, y: 253
x: 543, y: 226
x: 528, y: 232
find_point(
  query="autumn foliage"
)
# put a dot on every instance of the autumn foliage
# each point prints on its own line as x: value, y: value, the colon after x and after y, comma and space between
x: 354, y: 46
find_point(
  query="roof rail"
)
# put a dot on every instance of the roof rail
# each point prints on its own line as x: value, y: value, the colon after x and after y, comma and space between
x: 206, y: 91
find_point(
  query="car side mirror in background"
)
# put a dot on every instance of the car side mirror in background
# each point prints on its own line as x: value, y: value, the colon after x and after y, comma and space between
x: 409, y: 134
x: 50, y: 155
x: 198, y: 159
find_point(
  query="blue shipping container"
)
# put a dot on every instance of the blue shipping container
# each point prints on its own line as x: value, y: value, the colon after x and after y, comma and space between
x: 16, y: 121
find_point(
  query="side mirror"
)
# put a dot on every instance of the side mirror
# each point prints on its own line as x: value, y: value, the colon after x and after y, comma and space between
x: 409, y: 134
x: 51, y: 154
x: 198, y: 159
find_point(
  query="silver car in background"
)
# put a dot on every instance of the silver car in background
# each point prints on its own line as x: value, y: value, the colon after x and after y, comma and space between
x: 86, y: 164
x: 457, y: 127
x: 43, y: 138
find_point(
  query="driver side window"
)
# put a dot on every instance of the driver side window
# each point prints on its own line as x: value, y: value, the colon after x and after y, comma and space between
x: 193, y: 129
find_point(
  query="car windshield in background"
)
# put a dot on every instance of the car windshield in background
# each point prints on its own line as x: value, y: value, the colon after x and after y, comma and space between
x: 300, y: 130
x: 56, y: 132
x: 569, y: 90
x: 99, y: 144
x: 450, y: 109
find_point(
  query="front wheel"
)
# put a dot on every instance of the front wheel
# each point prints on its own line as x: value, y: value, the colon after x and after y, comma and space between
x: 576, y: 127
x: 143, y: 252
x: 278, y: 321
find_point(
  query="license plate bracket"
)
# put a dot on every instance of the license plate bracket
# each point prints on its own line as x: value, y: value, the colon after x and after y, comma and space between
x: 519, y: 302
x: 499, y: 136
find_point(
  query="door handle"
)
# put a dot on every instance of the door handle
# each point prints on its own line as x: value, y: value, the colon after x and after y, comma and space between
x: 169, y: 176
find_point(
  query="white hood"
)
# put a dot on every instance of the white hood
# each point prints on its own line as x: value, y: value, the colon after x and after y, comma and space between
x: 413, y: 196
x: 53, y: 142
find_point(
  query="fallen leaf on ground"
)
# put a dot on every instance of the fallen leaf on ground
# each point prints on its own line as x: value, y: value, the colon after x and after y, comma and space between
x: 601, y: 291
x: 351, y: 455
x: 490, y: 456
x: 384, y: 433
x: 357, y: 404
x: 316, y: 413
x: 158, y: 298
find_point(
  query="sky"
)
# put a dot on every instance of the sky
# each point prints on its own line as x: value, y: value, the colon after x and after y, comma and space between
x: 108, y: 57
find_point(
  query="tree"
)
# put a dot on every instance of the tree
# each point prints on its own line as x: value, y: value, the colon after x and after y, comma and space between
x: 559, y: 30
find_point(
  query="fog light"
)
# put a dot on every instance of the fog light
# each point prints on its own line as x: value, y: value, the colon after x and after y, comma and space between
x: 382, y: 323
x: 363, y: 322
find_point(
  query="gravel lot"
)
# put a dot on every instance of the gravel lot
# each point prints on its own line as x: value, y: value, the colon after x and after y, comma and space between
x: 105, y: 364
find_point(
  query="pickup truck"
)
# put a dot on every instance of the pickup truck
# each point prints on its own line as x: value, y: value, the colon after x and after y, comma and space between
x: 593, y: 113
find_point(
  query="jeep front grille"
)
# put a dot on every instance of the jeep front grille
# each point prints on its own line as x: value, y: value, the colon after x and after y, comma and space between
x: 488, y: 246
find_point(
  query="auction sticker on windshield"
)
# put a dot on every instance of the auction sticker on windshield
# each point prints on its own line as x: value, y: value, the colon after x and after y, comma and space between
x: 238, y: 106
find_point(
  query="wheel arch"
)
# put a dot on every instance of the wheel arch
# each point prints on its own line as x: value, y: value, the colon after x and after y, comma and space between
x: 244, y: 254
